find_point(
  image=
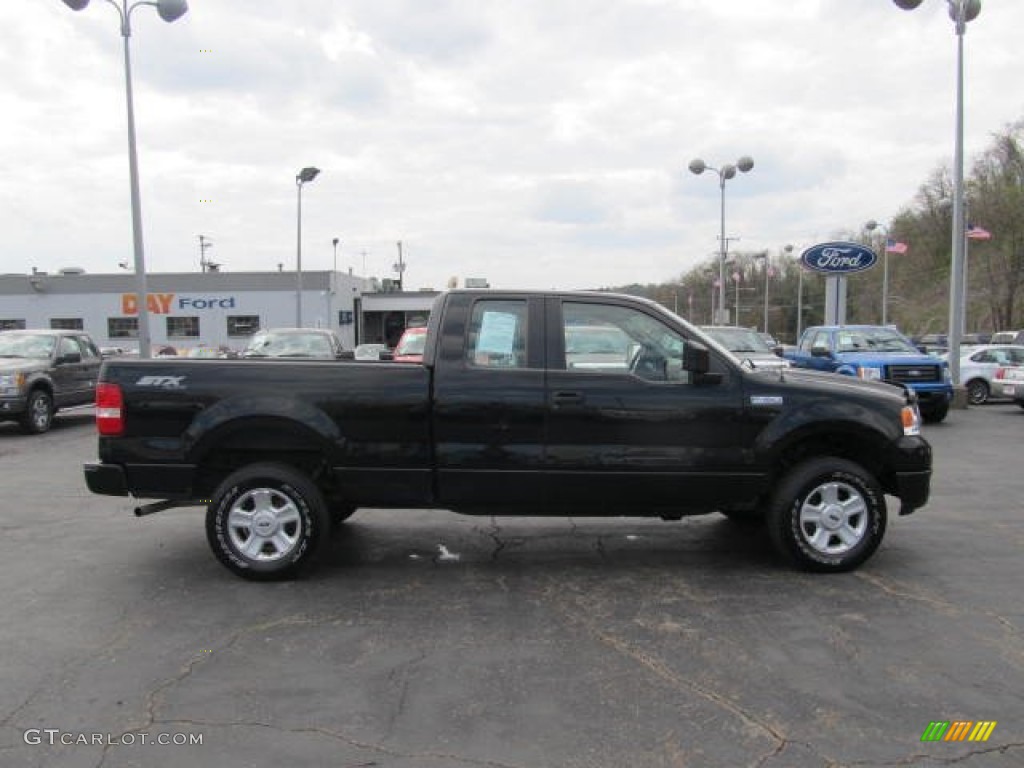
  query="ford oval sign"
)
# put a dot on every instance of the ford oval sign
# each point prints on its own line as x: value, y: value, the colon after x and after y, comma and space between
x: 838, y: 258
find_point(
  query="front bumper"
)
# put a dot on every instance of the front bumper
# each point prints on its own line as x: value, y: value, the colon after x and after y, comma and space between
x: 913, y: 489
x: 911, y: 460
x: 11, y: 407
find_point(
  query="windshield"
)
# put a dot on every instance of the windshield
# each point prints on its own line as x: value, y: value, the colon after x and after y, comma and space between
x: 38, y: 347
x: 873, y: 340
x: 412, y: 343
x: 739, y: 340
x: 272, y: 344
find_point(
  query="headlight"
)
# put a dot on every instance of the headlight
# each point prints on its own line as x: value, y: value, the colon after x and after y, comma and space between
x: 911, y: 418
x: 12, y: 383
x: 946, y: 375
x: 870, y: 374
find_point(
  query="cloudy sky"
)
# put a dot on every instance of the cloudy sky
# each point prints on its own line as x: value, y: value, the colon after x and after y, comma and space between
x: 535, y: 143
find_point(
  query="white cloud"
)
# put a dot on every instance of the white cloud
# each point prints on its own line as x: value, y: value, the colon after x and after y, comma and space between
x: 532, y: 143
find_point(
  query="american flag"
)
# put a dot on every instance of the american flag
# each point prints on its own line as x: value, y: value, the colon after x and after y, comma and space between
x: 895, y: 246
x: 975, y: 232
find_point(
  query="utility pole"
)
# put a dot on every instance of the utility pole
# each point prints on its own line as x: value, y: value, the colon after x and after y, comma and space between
x: 399, y: 267
x: 204, y: 265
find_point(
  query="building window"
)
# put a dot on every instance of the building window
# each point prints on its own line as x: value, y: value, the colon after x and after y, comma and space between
x: 67, y: 324
x: 11, y: 324
x: 242, y: 325
x: 182, y: 327
x: 122, y: 327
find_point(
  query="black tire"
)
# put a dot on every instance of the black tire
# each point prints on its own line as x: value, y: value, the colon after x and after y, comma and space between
x: 827, y: 515
x: 935, y: 413
x: 267, y: 522
x: 977, y: 392
x: 38, y: 415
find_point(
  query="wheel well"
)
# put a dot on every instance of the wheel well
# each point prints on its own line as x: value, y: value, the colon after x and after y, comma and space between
x: 42, y: 384
x: 858, y: 448
x: 977, y: 379
x: 281, y: 442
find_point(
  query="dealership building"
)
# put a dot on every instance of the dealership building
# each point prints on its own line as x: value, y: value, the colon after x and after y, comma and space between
x: 210, y: 308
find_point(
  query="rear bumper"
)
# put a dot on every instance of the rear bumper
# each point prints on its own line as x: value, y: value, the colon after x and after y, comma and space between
x: 145, y: 481
x: 106, y: 479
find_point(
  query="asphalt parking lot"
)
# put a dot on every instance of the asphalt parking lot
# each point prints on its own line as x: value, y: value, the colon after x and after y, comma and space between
x: 432, y: 640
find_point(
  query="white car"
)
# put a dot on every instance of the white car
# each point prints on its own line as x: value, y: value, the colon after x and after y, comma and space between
x: 978, y: 367
x: 1010, y: 380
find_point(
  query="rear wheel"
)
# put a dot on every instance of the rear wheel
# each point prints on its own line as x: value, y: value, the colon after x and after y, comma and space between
x: 977, y: 391
x: 827, y: 514
x: 38, y: 415
x: 267, y: 521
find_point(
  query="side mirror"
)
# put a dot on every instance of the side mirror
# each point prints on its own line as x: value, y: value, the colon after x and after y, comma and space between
x: 779, y: 350
x: 697, y: 360
x: 347, y: 354
x: 385, y: 354
x: 70, y: 357
x: 820, y: 352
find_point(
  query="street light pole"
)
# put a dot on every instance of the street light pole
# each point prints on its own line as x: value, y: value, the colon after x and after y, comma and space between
x: 726, y: 172
x: 871, y: 226
x: 168, y: 10
x: 304, y: 176
x: 767, y: 267
x: 961, y: 12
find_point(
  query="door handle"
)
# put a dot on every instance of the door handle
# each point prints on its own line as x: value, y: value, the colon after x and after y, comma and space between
x: 563, y: 399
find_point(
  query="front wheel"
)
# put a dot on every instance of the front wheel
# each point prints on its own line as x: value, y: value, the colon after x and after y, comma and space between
x: 827, y: 515
x: 935, y: 413
x: 38, y: 415
x: 267, y: 521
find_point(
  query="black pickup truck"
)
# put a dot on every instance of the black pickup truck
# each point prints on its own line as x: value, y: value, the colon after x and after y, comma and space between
x: 526, y: 403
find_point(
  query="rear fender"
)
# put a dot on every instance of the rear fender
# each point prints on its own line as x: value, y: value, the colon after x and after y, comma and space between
x: 268, y: 422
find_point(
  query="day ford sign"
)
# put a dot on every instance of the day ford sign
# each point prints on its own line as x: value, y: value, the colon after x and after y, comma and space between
x: 838, y: 258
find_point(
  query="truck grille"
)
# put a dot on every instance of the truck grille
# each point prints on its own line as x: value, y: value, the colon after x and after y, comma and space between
x: 913, y: 374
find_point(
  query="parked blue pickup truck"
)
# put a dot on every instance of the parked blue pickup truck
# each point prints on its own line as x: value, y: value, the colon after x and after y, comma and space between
x: 877, y: 353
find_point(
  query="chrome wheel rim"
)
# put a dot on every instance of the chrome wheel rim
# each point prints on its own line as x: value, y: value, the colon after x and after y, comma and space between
x: 41, y: 412
x: 264, y: 525
x: 977, y: 393
x: 833, y: 518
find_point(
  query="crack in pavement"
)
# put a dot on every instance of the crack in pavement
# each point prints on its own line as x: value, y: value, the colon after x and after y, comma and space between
x: 913, y: 759
x: 399, y: 708
x: 153, y: 697
x: 946, y: 606
x: 661, y: 670
x: 495, y: 534
x: 337, y: 736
